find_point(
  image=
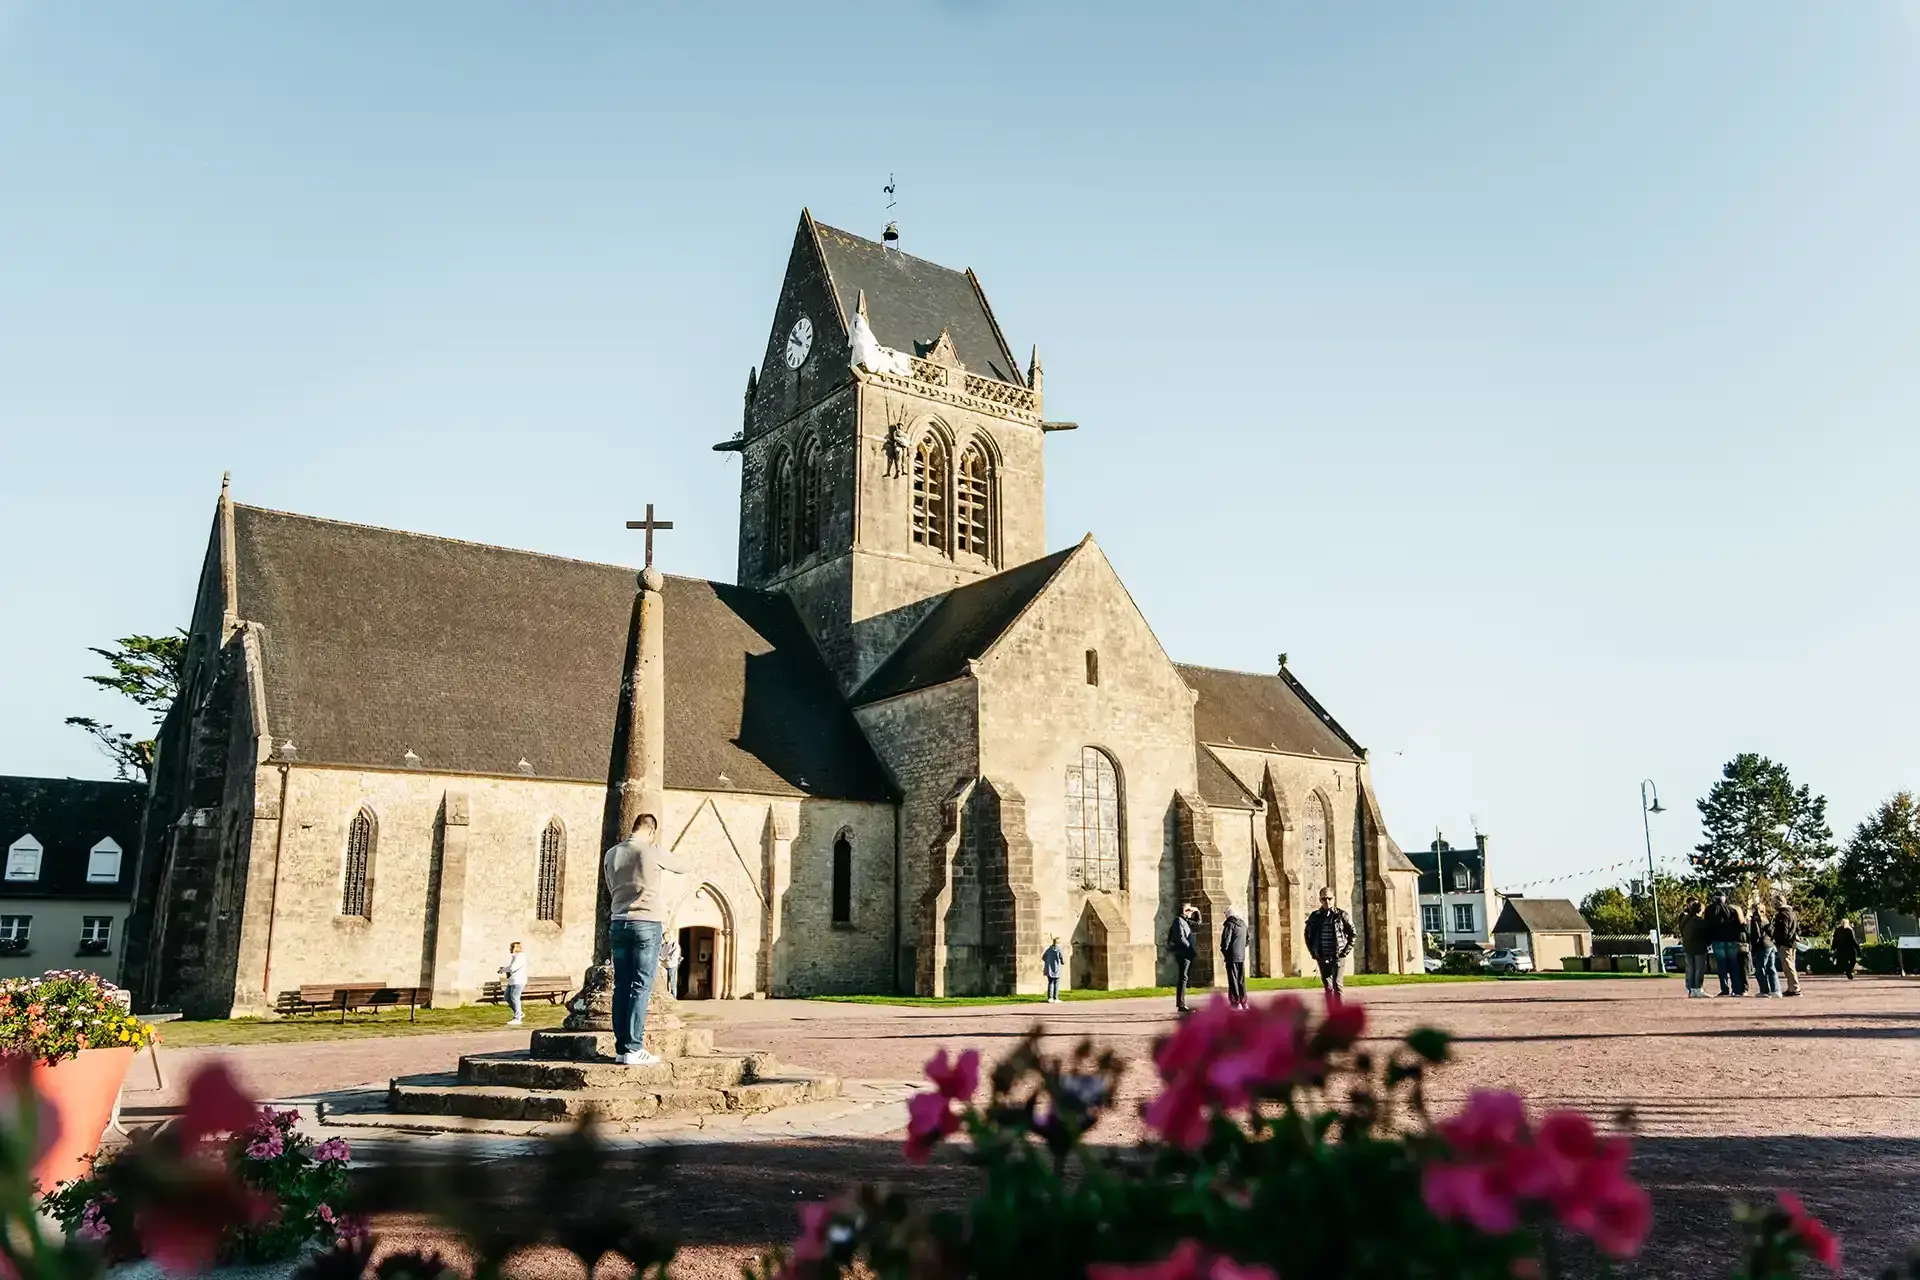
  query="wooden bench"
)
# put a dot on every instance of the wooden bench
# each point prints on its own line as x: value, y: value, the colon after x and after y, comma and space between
x: 553, y: 989
x: 348, y: 996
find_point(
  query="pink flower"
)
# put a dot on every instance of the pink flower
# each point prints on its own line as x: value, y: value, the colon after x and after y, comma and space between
x: 333, y: 1150
x: 1476, y: 1193
x: 93, y: 1220
x: 1188, y: 1261
x: 325, y: 1214
x: 1491, y: 1123
x: 1813, y: 1235
x: 957, y: 1080
x: 1342, y: 1026
x: 930, y: 1116
x: 821, y: 1229
x: 1222, y: 1059
x: 215, y: 1104
x: 266, y: 1148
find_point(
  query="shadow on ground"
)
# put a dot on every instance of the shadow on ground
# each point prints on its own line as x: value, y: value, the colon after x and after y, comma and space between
x: 719, y: 1198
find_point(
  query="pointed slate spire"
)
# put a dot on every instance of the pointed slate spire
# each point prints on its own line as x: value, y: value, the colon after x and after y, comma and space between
x: 1033, y: 369
x: 860, y: 307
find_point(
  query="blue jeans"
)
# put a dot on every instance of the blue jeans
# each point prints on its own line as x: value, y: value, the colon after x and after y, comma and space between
x: 636, y: 956
x: 513, y: 998
x: 1696, y: 973
x: 1726, y: 958
x: 1053, y: 988
x: 1766, y: 967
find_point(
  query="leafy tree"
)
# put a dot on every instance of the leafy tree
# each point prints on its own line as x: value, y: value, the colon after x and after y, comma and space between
x: 146, y: 670
x: 1881, y: 865
x: 1626, y: 909
x: 1608, y: 911
x: 1759, y: 826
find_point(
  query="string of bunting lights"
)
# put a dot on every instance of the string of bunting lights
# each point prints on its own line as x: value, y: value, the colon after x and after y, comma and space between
x: 1630, y: 864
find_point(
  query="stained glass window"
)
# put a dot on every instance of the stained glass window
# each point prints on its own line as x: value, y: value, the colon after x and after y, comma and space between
x: 1093, y: 822
x: 354, y: 898
x: 553, y: 852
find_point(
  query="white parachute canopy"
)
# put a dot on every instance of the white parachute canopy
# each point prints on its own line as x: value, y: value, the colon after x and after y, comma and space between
x: 869, y: 354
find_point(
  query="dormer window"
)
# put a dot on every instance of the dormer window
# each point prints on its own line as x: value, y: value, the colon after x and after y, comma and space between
x: 1462, y: 879
x: 23, y: 859
x: 103, y: 863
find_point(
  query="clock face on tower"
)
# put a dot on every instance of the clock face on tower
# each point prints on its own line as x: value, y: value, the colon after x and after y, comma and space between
x: 799, y: 342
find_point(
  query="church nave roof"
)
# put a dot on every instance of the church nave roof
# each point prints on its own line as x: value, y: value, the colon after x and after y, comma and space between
x: 475, y: 658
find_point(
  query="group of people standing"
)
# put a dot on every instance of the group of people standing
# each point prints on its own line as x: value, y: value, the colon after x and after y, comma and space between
x: 1751, y: 947
x: 1329, y: 938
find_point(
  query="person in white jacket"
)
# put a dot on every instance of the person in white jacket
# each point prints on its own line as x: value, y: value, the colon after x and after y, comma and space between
x: 513, y: 980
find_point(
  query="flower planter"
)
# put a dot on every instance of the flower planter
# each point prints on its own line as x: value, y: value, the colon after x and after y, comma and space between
x: 81, y: 1091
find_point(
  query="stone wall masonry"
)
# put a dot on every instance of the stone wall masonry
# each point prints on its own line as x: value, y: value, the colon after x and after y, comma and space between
x: 1200, y: 883
x: 928, y: 741
x: 1038, y: 711
x: 459, y: 943
x: 1347, y: 788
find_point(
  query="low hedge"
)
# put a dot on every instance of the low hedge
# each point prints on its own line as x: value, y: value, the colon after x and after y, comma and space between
x: 1622, y: 944
x: 1462, y: 962
x: 1878, y: 957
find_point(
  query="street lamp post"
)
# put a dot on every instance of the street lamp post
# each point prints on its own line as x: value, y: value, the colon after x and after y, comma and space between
x: 1653, y: 887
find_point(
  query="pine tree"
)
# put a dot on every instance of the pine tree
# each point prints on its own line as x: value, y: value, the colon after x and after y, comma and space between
x: 145, y: 669
x: 1881, y: 867
x: 1759, y: 826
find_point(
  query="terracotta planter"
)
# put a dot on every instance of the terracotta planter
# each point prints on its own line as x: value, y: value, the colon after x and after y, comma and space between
x: 81, y: 1092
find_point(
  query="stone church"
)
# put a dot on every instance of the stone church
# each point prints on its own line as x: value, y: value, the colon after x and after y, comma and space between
x: 905, y: 751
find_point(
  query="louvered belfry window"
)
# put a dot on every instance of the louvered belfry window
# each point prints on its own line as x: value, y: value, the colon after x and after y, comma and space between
x: 930, y: 494
x: 553, y: 851
x: 355, y: 899
x: 973, y: 503
x: 1093, y: 822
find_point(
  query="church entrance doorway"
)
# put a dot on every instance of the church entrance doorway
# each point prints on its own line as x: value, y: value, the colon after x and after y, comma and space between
x: 704, y: 929
x: 697, y: 948
x: 1089, y: 964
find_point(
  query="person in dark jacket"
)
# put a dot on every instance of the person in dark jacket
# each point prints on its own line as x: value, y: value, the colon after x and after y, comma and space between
x: 1846, y: 948
x: 1726, y: 931
x: 1766, y: 971
x: 1695, y: 942
x: 1180, y: 945
x: 1051, y: 962
x: 1233, y: 951
x: 1329, y: 939
x: 1786, y: 941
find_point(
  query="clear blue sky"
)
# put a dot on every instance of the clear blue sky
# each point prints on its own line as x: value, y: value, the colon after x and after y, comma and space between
x: 1541, y: 378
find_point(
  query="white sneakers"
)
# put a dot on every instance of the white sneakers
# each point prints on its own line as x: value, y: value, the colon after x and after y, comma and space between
x: 513, y: 1022
x: 638, y: 1058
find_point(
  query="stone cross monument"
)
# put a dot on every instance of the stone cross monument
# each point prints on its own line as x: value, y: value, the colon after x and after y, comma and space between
x: 642, y: 785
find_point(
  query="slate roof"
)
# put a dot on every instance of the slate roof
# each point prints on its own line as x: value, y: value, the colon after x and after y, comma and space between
x: 1264, y: 713
x: 910, y: 300
x: 961, y: 627
x: 474, y: 657
x: 1430, y: 866
x: 1218, y: 785
x: 1541, y: 915
x: 68, y: 817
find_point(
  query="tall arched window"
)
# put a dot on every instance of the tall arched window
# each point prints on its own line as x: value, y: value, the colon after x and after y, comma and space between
x: 1314, y: 824
x: 811, y: 503
x: 780, y: 511
x: 930, y: 494
x: 356, y: 887
x: 1094, y: 855
x: 973, y: 502
x: 842, y: 879
x: 553, y: 857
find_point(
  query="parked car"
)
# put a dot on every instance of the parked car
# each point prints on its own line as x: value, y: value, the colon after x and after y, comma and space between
x: 1431, y: 964
x: 1675, y: 959
x: 1509, y: 962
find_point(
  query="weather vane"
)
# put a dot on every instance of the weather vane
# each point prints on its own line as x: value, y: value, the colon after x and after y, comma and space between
x: 890, y: 238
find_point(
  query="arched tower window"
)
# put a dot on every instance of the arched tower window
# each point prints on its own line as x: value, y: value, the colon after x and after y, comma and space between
x: 780, y: 511
x: 930, y: 494
x: 842, y: 879
x: 812, y: 504
x: 1314, y: 825
x: 1094, y: 854
x: 553, y: 857
x: 973, y: 502
x: 356, y: 886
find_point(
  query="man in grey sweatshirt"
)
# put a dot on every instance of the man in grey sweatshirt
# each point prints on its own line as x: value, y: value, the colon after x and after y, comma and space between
x: 635, y: 870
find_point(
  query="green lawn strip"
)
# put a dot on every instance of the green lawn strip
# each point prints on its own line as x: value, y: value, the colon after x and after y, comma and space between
x: 1253, y: 984
x: 359, y: 1026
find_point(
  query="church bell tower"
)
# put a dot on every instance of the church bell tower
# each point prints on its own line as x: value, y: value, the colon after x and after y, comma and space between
x: 890, y: 445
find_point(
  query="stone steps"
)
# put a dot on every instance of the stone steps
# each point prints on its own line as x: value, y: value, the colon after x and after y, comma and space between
x: 672, y: 1041
x: 522, y: 1071
x: 446, y: 1095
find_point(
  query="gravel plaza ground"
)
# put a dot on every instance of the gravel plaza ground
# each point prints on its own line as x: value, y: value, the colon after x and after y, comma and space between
x: 1733, y: 1097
